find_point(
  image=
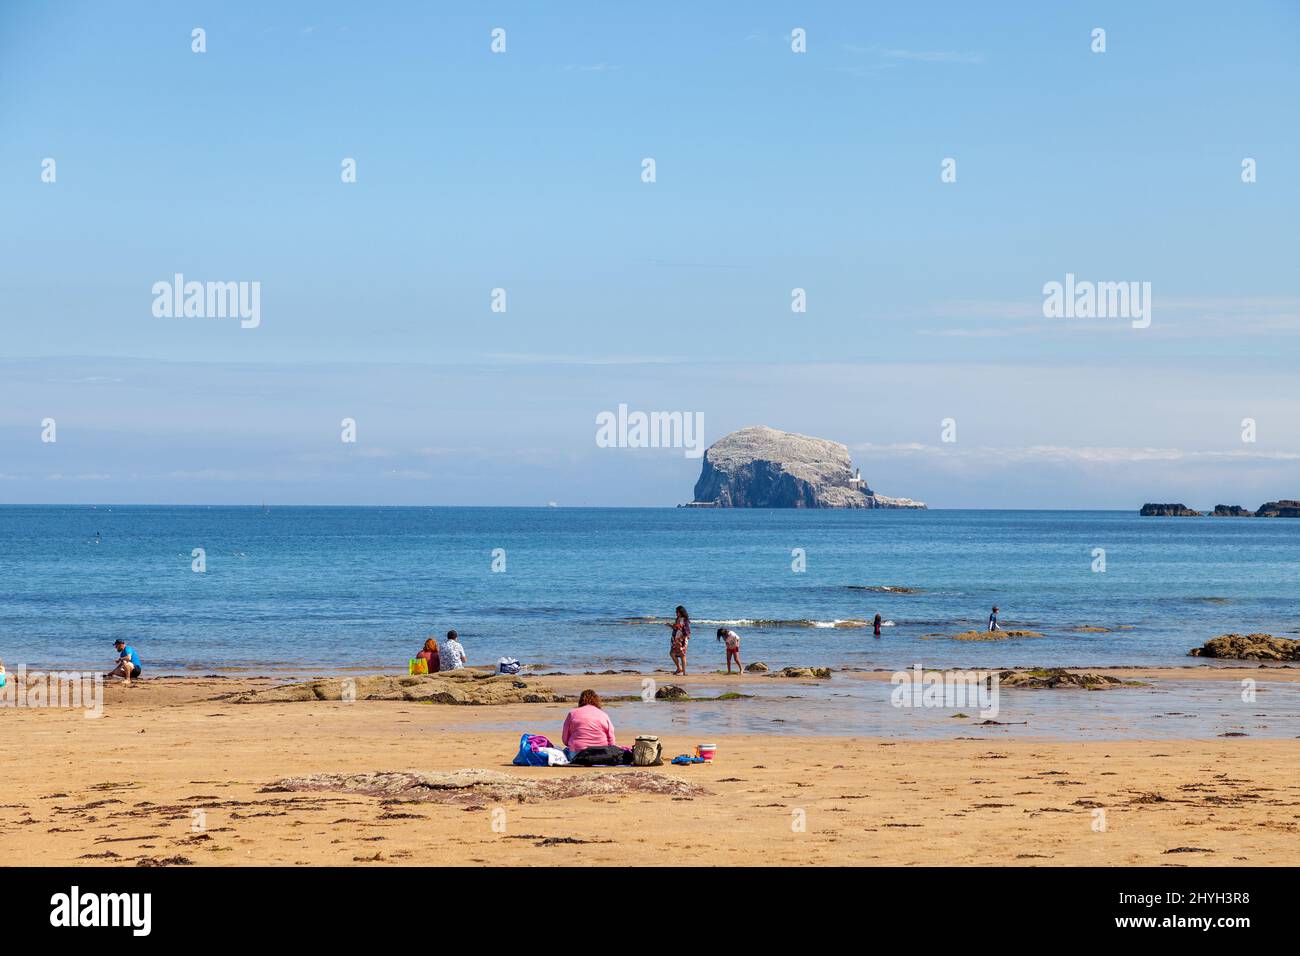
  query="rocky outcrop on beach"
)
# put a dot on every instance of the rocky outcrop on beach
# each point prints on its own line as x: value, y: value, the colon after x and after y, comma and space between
x: 999, y: 635
x: 758, y: 667
x: 818, y: 673
x: 761, y: 467
x: 1249, y: 647
x: 1056, y: 678
x: 486, y: 787
x: 1169, y: 511
x: 1286, y: 508
x: 447, y: 687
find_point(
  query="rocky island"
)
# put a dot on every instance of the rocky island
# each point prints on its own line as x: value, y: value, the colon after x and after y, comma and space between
x: 762, y: 467
x: 1179, y: 510
x: 1231, y: 511
x: 1286, y: 508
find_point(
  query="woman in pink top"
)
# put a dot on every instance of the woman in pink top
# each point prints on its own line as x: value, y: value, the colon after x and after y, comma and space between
x: 587, y: 725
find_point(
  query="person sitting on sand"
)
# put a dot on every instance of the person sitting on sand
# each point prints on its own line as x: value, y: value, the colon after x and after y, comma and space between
x: 430, y: 654
x: 876, y: 626
x: 587, y: 725
x: 453, y: 654
x: 3, y: 677
x: 733, y: 647
x: 128, y: 662
x: 993, y: 619
x: 681, y: 637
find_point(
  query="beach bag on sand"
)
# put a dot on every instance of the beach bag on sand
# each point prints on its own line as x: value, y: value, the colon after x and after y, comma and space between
x: 604, y: 756
x: 555, y: 757
x: 508, y: 665
x: 418, y: 665
x: 529, y: 754
x: 647, y: 751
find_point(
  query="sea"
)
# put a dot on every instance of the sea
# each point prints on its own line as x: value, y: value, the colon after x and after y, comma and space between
x: 317, y: 590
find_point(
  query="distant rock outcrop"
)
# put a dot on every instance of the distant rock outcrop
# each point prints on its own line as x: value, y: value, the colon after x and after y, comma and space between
x: 764, y: 468
x: 1169, y: 511
x: 1249, y: 647
x: 1286, y: 508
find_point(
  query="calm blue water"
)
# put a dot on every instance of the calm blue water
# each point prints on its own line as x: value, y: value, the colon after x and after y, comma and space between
x: 313, y: 589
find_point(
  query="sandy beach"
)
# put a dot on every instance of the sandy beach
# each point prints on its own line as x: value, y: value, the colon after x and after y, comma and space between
x: 171, y: 775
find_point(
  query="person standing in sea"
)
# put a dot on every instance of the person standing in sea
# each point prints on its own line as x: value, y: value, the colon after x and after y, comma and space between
x: 876, y: 626
x: 993, y: 619
x: 681, y: 638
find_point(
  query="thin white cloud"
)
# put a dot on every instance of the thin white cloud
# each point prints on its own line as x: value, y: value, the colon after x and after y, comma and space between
x: 934, y: 56
x: 969, y: 58
x: 1174, y: 317
x: 542, y: 358
x: 1066, y: 454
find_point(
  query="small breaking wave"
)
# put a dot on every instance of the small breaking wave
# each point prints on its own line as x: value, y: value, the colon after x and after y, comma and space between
x: 753, y: 622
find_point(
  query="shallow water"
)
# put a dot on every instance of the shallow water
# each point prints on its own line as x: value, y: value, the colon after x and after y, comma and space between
x: 318, y: 588
x: 1168, y: 709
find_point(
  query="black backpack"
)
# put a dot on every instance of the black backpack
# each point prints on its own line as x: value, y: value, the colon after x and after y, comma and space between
x: 606, y: 756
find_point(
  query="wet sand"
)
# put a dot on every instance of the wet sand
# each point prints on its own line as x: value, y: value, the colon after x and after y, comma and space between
x: 169, y: 774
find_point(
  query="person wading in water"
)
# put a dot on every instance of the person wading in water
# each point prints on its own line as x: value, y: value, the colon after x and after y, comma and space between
x: 680, y: 639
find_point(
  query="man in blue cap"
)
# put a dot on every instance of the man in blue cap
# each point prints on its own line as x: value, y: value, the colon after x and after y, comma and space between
x: 128, y: 662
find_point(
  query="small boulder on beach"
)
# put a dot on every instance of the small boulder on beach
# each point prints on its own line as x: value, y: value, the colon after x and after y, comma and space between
x: 1249, y: 647
x: 820, y: 673
x: 758, y: 667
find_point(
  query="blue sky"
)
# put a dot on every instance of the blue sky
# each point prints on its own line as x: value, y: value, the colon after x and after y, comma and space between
x: 521, y: 171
